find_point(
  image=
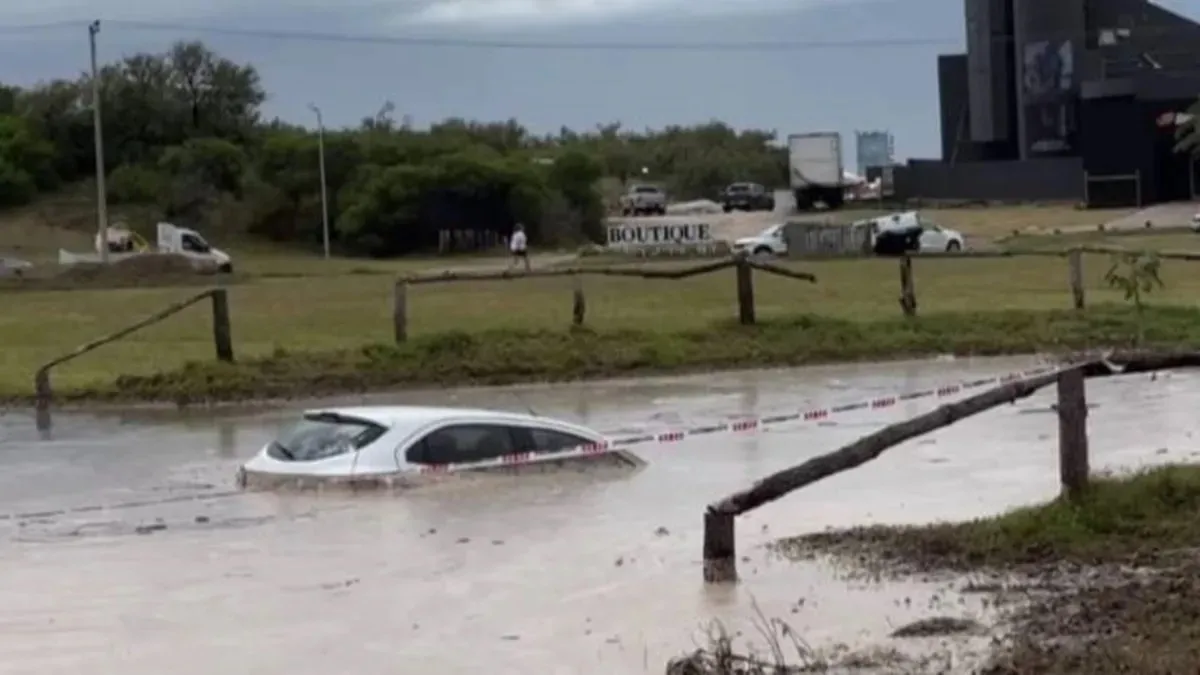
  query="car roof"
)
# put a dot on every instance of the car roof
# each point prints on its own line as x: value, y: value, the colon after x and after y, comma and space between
x: 416, y: 416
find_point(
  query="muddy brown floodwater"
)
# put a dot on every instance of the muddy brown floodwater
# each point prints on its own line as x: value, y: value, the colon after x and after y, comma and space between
x: 123, y: 550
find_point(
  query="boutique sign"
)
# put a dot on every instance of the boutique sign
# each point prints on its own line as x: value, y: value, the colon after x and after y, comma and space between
x: 638, y: 235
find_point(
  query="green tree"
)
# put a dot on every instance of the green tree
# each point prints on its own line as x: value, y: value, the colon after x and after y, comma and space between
x: 1136, y: 274
x: 184, y: 131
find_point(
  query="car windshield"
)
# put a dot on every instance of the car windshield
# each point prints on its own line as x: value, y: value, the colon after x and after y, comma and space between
x: 645, y: 189
x: 323, y: 435
x: 771, y: 231
x: 194, y: 243
x: 738, y: 188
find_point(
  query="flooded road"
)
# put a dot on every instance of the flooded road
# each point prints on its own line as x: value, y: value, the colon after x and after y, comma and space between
x: 123, y: 551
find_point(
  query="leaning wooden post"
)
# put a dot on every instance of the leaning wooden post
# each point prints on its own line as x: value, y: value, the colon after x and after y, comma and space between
x: 720, y: 551
x: 908, y: 291
x: 1075, y: 272
x: 222, y: 331
x: 1072, y: 433
x: 400, y: 311
x: 745, y: 291
x: 578, y: 303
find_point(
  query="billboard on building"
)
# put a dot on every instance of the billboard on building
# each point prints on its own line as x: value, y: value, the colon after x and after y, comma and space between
x: 1049, y: 37
x: 874, y: 148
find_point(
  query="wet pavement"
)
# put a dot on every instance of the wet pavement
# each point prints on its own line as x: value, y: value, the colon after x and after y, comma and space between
x: 126, y: 550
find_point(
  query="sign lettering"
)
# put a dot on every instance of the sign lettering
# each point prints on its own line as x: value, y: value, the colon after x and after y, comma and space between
x: 628, y: 235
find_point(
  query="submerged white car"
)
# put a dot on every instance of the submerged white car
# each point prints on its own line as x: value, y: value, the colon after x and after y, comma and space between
x: 388, y: 444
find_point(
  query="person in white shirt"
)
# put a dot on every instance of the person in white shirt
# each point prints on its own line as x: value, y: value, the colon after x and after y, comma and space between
x: 518, y: 245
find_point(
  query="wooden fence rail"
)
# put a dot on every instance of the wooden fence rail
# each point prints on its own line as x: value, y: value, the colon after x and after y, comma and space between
x: 743, y: 267
x: 719, y: 550
x: 1074, y: 256
x: 222, y: 341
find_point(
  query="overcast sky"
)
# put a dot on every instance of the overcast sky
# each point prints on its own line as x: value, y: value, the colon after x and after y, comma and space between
x: 835, y: 87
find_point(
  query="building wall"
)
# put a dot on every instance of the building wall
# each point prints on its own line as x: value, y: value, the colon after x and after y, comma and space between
x: 1142, y: 147
x: 1046, y: 179
x: 954, y: 105
x: 991, y: 83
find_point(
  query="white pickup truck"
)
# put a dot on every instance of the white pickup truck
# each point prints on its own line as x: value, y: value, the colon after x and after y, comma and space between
x: 124, y: 244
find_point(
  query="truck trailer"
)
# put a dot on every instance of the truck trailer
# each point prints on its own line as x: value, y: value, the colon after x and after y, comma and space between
x: 815, y: 167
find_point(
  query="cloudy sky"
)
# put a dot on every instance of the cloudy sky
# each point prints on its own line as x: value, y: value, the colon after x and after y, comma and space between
x: 875, y: 70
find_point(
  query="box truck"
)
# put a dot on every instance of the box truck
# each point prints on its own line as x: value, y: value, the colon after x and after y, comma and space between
x: 815, y: 166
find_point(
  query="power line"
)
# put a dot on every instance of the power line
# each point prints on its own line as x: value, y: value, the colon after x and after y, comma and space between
x: 1143, y: 32
x: 469, y: 43
x: 50, y: 25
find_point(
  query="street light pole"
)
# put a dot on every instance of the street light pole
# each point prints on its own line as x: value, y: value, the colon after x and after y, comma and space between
x: 324, y: 189
x: 101, y: 190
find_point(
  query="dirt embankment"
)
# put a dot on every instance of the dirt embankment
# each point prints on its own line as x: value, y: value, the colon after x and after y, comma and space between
x: 149, y: 270
x: 1105, y: 585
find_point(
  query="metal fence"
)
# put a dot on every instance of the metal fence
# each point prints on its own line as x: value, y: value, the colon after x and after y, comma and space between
x: 826, y: 238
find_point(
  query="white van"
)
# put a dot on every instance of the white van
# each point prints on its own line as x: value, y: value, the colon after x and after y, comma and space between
x: 124, y: 243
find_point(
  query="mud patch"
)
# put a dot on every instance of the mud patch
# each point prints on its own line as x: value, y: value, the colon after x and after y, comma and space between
x: 940, y: 626
x: 783, y: 652
x: 149, y: 270
x: 1104, y: 584
x: 1114, y: 620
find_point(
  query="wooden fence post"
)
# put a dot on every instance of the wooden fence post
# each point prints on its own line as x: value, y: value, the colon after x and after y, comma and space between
x: 222, y: 331
x: 44, y: 395
x: 1075, y: 272
x: 578, y: 302
x: 908, y: 291
x: 720, y: 551
x: 400, y: 311
x: 745, y: 291
x: 1072, y: 433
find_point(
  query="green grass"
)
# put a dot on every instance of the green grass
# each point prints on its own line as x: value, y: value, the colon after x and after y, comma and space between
x: 503, y: 355
x: 347, y: 311
x: 1112, y: 579
x: 1133, y: 239
x: 1120, y: 518
x: 300, y: 303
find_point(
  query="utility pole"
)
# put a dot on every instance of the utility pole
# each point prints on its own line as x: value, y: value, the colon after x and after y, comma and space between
x: 324, y: 192
x: 101, y: 190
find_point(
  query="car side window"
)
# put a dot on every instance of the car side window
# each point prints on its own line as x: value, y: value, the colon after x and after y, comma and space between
x: 547, y: 440
x: 462, y: 443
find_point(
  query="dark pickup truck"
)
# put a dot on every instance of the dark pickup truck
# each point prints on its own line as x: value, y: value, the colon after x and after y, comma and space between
x: 747, y: 197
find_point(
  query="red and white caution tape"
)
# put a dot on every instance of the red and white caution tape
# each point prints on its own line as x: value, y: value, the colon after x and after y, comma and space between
x: 747, y: 425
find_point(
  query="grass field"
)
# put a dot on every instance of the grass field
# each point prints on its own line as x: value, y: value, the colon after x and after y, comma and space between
x: 1003, y: 221
x: 297, y: 302
x: 338, y: 311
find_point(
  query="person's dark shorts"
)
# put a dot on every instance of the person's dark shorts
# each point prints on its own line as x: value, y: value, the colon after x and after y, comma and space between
x: 520, y: 254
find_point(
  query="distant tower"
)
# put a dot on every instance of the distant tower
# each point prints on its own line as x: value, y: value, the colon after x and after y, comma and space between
x: 874, y: 148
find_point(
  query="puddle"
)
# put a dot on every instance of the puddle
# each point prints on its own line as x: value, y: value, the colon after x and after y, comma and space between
x: 126, y: 551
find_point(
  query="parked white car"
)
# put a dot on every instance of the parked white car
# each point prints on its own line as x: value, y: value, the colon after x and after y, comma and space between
x: 933, y: 239
x: 1196, y: 223
x: 769, y: 242
x: 381, y: 444
x: 936, y: 239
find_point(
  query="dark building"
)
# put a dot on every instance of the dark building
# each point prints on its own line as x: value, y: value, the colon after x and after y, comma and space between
x: 1063, y: 100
